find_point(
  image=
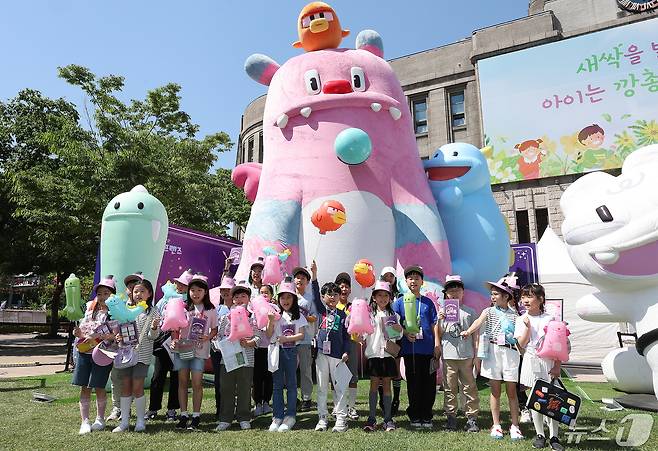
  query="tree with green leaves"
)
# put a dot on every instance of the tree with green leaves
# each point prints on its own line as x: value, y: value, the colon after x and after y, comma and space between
x: 59, y: 168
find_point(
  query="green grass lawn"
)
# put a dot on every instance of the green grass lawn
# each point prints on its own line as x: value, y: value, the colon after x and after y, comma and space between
x: 25, y: 424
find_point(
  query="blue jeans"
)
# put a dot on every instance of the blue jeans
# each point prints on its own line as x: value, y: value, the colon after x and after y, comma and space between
x: 286, y: 374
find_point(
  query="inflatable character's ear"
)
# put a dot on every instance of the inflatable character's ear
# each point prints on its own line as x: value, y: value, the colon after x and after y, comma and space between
x: 261, y: 68
x: 371, y: 41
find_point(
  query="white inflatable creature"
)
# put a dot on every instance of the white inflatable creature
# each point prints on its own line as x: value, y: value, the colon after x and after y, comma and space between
x: 611, y: 232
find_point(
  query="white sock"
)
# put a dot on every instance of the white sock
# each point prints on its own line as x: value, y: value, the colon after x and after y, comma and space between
x: 196, y: 414
x: 126, y: 402
x: 183, y: 413
x: 538, y: 421
x: 140, y: 408
x: 553, y: 428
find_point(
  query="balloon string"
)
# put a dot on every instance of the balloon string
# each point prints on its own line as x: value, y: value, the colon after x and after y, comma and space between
x: 317, y: 248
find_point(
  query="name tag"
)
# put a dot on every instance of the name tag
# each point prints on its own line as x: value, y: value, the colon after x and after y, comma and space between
x: 419, y: 335
x: 500, y: 339
x: 326, y: 347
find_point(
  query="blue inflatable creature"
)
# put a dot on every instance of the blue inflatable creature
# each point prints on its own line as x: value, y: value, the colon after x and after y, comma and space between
x: 459, y: 178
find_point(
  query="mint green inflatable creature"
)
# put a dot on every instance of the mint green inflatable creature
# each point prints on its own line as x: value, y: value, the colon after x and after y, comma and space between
x: 73, y: 310
x: 133, y: 235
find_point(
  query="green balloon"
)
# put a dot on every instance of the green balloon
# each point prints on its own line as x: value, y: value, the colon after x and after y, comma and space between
x: 73, y: 310
x: 410, y: 313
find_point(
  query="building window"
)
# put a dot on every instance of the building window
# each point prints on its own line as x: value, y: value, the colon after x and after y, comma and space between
x: 419, y: 110
x: 260, y: 147
x: 541, y: 221
x: 250, y: 150
x: 457, y: 118
x: 522, y: 226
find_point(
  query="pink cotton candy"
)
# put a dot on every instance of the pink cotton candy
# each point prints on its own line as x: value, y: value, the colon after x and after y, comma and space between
x: 175, y: 316
x: 240, y: 327
x: 360, y: 322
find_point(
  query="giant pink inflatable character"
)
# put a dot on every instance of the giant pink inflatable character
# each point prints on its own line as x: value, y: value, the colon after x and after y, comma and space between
x: 337, y: 126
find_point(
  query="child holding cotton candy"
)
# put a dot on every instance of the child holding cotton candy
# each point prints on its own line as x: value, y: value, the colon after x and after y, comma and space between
x: 500, y: 358
x: 286, y: 333
x: 529, y: 332
x: 222, y: 309
x: 235, y: 385
x: 132, y: 378
x: 87, y: 374
x: 200, y: 330
x: 381, y: 363
x: 262, y: 389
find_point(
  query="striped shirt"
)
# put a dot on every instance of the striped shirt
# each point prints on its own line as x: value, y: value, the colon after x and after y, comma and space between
x: 493, y: 320
x: 145, y: 345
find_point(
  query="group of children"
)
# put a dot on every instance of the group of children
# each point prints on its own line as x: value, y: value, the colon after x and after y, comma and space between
x: 313, y: 322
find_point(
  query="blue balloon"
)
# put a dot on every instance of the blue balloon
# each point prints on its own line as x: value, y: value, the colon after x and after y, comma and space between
x: 353, y: 146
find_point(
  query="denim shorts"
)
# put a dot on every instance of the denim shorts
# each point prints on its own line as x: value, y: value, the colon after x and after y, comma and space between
x: 139, y: 371
x: 195, y: 364
x: 88, y: 374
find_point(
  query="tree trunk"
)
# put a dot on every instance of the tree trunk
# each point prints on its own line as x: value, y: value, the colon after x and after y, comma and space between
x: 54, y: 305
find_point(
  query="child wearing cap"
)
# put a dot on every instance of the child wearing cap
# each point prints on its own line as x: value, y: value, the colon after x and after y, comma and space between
x: 418, y: 350
x: 333, y: 346
x: 381, y: 364
x: 202, y: 325
x: 458, y: 355
x: 286, y: 332
x: 163, y: 362
x: 215, y: 355
x: 129, y: 281
x: 500, y: 360
x: 262, y: 389
x: 344, y: 282
x: 306, y: 301
x: 148, y: 328
x: 388, y: 274
x: 87, y: 374
x: 235, y: 386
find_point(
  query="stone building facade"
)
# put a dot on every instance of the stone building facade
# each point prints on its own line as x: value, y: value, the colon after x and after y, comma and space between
x: 442, y: 87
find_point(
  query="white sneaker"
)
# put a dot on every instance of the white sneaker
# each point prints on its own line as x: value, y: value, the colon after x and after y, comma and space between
x: 98, y: 425
x: 276, y: 422
x: 257, y: 411
x: 120, y: 428
x: 222, y: 426
x: 115, y: 414
x: 340, y: 426
x: 515, y: 433
x: 525, y: 416
x: 322, y: 424
x: 496, y: 432
x: 85, y: 427
x: 287, y: 424
x: 244, y: 425
x: 266, y: 408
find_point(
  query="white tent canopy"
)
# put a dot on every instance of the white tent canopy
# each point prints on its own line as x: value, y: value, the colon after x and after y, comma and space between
x: 590, y: 342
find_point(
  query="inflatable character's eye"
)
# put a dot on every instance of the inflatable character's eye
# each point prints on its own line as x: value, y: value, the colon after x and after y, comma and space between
x: 604, y: 214
x: 455, y: 154
x: 312, y: 81
x: 140, y: 205
x: 358, y: 79
x: 117, y: 205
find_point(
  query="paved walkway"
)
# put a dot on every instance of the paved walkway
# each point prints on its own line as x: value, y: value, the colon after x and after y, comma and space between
x: 26, y: 355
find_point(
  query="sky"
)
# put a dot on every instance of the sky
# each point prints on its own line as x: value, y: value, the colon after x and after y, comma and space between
x: 202, y: 44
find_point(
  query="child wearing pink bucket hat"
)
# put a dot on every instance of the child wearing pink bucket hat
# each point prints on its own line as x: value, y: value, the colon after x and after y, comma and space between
x: 88, y: 374
x: 286, y: 332
x: 381, y: 363
x: 499, y: 355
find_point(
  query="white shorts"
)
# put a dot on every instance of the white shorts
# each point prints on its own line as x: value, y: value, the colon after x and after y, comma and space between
x: 502, y: 364
x: 531, y: 372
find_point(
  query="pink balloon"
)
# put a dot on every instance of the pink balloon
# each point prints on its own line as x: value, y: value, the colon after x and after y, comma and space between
x: 175, y: 317
x: 240, y: 327
x: 555, y: 345
x: 261, y: 308
x: 360, y: 322
x: 272, y: 273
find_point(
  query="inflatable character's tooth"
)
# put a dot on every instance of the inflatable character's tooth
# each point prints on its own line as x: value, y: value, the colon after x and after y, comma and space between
x: 607, y: 257
x: 306, y: 111
x: 282, y: 121
x: 375, y: 106
x: 155, y: 230
x: 395, y: 113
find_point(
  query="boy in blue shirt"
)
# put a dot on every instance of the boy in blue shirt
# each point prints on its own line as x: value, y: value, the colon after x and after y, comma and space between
x: 418, y: 350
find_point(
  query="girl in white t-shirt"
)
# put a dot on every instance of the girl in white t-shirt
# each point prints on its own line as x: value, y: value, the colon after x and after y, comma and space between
x: 286, y: 332
x: 529, y: 330
x: 381, y: 364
